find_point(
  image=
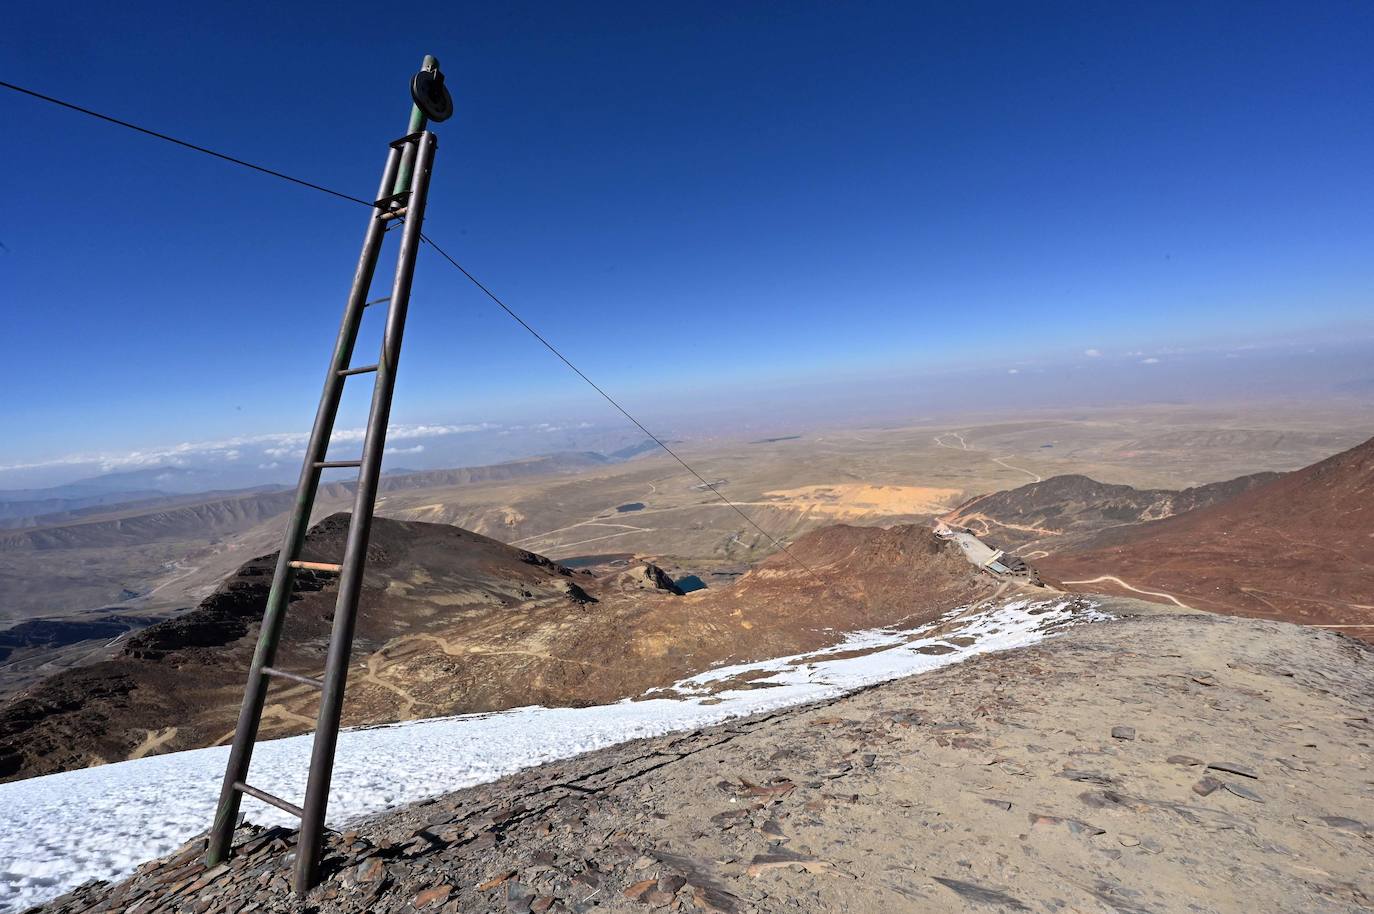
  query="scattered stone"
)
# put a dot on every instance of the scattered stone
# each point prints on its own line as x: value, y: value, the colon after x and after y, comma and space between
x: 637, y: 891
x: 541, y: 904
x: 1292, y: 764
x: 1091, y: 777
x: 780, y: 789
x: 1110, y: 799
x: 1242, y: 791
x: 1123, y: 732
x: 370, y: 870
x: 432, y: 896
x: 494, y: 881
x: 1038, y: 820
x: 980, y: 894
x: 1206, y: 786
x: 1000, y: 804
x: 518, y: 901
x: 1128, y: 840
x: 781, y: 858
x: 1345, y: 824
x: 1185, y: 760
x: 1233, y: 768
x: 714, y: 900
x: 671, y: 884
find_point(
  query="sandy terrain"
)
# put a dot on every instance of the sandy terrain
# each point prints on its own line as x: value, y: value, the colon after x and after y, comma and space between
x: 856, y: 500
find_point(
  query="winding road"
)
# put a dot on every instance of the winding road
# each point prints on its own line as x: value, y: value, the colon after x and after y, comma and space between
x: 1000, y: 461
x: 1115, y: 580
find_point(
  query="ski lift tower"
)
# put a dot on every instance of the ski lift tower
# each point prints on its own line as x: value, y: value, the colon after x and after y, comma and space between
x: 400, y: 201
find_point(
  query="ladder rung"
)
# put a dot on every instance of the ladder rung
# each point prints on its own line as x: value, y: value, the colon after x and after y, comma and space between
x: 362, y: 369
x: 336, y: 464
x: 408, y: 138
x: 376, y: 301
x: 401, y: 197
x: 395, y: 213
x: 295, y: 677
x: 266, y: 797
x: 315, y: 566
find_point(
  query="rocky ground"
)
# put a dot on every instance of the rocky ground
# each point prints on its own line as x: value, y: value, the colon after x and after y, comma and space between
x: 1162, y: 762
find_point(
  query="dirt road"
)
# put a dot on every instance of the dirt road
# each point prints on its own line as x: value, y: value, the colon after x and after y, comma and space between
x: 1131, y: 587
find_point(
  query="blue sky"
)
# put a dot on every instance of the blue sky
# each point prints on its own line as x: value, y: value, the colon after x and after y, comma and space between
x: 692, y: 202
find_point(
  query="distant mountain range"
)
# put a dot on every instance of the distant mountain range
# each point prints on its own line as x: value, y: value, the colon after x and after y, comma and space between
x: 162, y: 487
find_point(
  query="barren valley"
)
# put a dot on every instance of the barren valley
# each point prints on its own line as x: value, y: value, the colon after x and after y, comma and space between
x: 63, y: 580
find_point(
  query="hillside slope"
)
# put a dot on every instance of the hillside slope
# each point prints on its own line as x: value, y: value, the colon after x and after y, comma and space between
x: 452, y: 622
x: 1063, y: 511
x: 1297, y: 548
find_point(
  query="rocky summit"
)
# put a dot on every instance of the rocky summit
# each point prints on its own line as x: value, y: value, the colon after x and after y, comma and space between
x: 1163, y: 761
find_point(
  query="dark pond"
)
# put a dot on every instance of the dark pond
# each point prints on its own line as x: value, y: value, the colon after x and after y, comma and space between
x: 690, y: 582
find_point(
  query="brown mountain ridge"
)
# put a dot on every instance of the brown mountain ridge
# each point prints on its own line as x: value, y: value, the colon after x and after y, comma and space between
x: 1065, y: 511
x: 454, y: 622
x: 1299, y: 547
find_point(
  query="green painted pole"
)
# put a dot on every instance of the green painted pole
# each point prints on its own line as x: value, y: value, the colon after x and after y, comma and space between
x: 418, y: 122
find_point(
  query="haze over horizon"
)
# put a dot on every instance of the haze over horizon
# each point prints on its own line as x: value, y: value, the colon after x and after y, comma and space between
x: 811, y: 215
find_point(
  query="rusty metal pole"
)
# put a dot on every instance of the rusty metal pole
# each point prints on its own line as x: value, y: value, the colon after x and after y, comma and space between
x: 400, y: 200
x: 310, y: 842
x: 274, y: 617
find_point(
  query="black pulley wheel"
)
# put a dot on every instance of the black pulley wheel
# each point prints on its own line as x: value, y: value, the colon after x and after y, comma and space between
x: 430, y: 93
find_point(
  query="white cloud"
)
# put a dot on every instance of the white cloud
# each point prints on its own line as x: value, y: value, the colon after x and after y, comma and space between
x: 275, y: 445
x: 1150, y: 361
x: 1013, y: 371
x: 1092, y: 353
x: 406, y: 450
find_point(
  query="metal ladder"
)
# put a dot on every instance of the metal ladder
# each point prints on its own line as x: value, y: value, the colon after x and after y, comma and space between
x: 400, y: 200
